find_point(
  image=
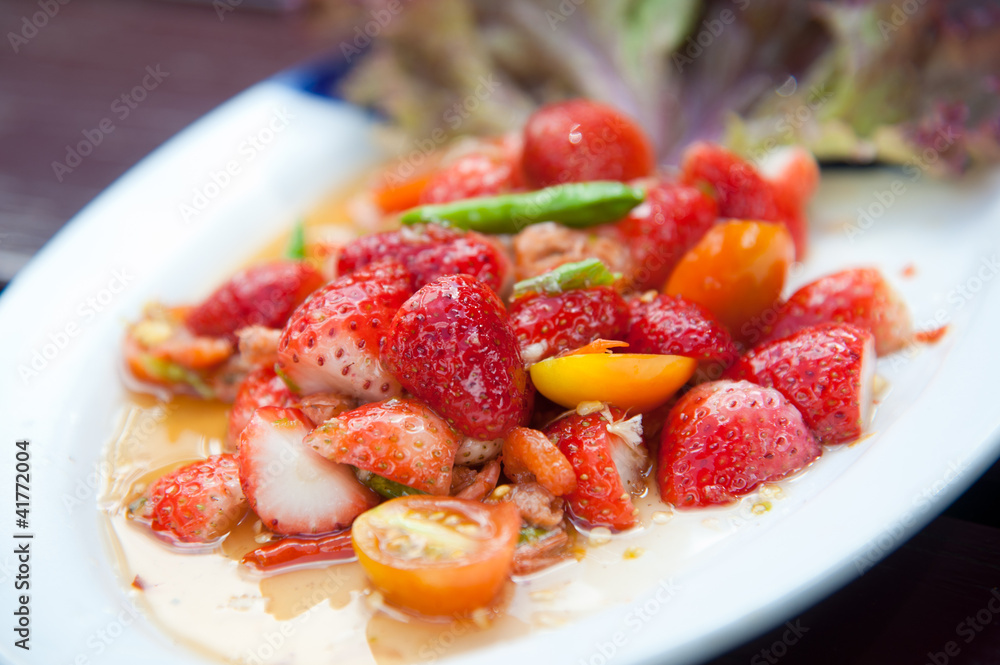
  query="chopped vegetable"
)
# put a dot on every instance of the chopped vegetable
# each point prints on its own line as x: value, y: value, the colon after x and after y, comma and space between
x: 578, y: 275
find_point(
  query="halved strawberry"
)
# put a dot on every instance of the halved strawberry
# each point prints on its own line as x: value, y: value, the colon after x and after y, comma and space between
x: 332, y: 342
x: 565, y: 309
x: 723, y: 439
x: 197, y: 503
x: 671, y: 325
x: 453, y: 347
x: 399, y: 439
x: 430, y: 251
x: 860, y: 296
x: 741, y: 191
x: 658, y: 231
x: 263, y: 295
x: 606, y: 452
x: 826, y: 371
x: 261, y: 387
x: 292, y: 488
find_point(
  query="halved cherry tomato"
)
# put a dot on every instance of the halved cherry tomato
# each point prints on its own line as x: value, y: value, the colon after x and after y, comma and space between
x: 437, y: 555
x: 404, y: 195
x: 736, y: 271
x: 637, y: 381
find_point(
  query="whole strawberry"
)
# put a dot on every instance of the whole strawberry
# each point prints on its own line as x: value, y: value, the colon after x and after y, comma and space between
x: 605, y: 450
x: 742, y: 192
x: 452, y: 346
x: 332, y: 342
x: 723, y: 439
x: 263, y: 295
x: 860, y: 296
x: 565, y: 309
x: 429, y: 251
x: 658, y: 231
x: 197, y: 503
x: 674, y: 326
x: 826, y: 371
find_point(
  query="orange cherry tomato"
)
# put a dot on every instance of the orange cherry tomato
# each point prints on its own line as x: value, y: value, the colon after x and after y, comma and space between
x: 404, y: 195
x: 736, y: 271
x: 437, y: 555
x: 637, y: 381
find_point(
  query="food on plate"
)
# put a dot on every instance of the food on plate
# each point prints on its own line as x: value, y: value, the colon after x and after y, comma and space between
x: 405, y: 403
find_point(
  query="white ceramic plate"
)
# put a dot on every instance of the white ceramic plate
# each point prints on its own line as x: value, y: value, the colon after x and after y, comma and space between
x: 714, y: 578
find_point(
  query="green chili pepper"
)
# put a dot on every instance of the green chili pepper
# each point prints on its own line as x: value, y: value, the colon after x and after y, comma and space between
x: 171, y: 372
x: 390, y: 489
x: 578, y: 205
x: 296, y: 248
x: 530, y: 534
x: 580, y: 275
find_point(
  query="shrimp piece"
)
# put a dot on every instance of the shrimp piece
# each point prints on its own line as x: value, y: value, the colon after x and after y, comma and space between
x: 484, y: 483
x: 528, y: 456
x: 542, y: 247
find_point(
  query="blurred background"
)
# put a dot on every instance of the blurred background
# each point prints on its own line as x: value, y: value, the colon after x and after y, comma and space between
x: 859, y: 82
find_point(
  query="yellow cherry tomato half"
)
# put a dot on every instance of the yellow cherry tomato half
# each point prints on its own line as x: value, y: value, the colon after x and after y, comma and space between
x: 736, y: 271
x: 437, y: 555
x: 637, y: 381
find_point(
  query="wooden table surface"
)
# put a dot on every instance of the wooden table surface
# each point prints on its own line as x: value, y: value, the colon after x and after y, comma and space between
x: 927, y: 603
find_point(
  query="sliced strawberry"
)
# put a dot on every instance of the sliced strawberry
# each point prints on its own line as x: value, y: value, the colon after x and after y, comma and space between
x: 658, y: 231
x: 332, y: 342
x: 723, y: 439
x: 290, y: 486
x: 794, y: 174
x: 826, y: 371
x: 197, y: 503
x: 741, y: 191
x: 452, y: 346
x: 566, y: 308
x: 264, y: 295
x: 580, y: 140
x: 605, y: 450
x: 400, y: 439
x: 430, y: 251
x: 262, y: 387
x: 674, y: 326
x: 860, y: 296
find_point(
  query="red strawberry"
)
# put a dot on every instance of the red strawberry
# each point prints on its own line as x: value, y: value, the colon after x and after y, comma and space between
x: 659, y: 230
x: 740, y: 190
x: 606, y: 453
x: 197, y: 503
x: 580, y: 140
x: 400, y: 439
x: 674, y: 326
x: 430, y: 251
x: 723, y: 439
x: 794, y: 175
x: 289, y: 485
x: 860, y: 296
x: 261, y: 387
x: 452, y: 346
x: 473, y: 175
x: 263, y: 295
x: 826, y: 371
x: 332, y: 342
